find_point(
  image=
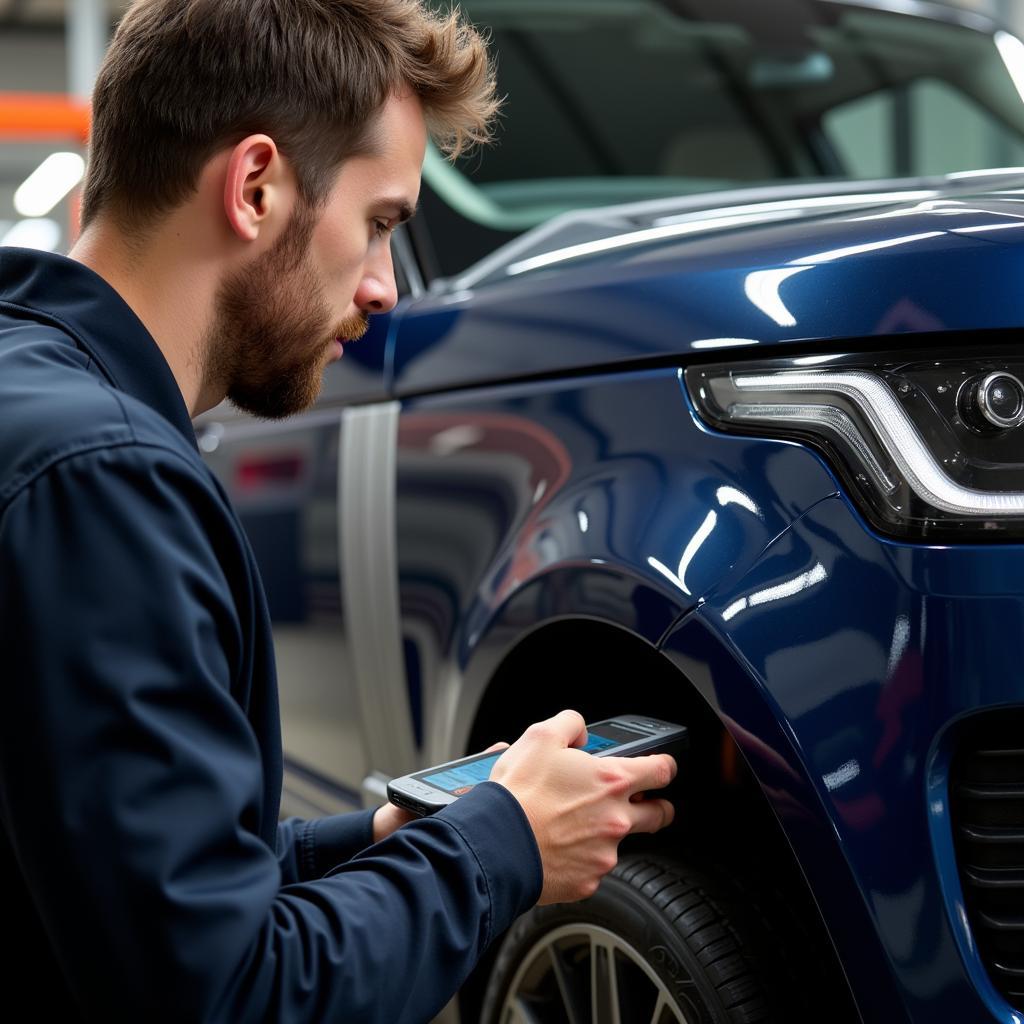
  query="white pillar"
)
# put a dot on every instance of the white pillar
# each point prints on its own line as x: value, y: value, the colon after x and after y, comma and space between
x: 88, y: 33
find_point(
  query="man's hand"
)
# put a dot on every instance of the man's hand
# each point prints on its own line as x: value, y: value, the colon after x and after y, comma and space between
x: 389, y: 818
x: 581, y: 806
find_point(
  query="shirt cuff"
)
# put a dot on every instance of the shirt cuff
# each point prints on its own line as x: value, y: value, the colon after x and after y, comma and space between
x: 494, y: 825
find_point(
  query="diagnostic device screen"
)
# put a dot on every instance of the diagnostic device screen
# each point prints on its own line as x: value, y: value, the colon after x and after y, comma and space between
x: 462, y: 778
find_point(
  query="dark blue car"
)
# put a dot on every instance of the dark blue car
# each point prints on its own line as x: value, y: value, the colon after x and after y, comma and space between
x: 706, y: 402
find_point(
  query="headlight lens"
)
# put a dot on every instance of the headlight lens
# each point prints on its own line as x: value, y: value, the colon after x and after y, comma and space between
x: 926, y: 448
x: 992, y: 403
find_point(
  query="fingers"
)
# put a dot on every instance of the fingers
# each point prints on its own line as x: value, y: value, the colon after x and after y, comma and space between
x: 652, y: 771
x: 495, y: 747
x: 567, y: 727
x: 650, y: 815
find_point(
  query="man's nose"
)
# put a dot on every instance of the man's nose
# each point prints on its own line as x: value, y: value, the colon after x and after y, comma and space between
x: 378, y: 292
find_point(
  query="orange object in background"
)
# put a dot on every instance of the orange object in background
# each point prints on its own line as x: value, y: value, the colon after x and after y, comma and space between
x: 46, y: 117
x: 33, y: 117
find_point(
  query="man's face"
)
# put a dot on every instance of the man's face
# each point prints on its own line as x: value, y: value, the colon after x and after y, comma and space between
x: 279, y: 320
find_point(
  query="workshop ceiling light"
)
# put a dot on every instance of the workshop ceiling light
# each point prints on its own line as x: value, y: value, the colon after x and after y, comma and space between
x: 1011, y: 49
x: 48, y: 184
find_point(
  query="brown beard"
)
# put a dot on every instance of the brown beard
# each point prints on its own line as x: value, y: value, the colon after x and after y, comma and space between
x: 271, y: 336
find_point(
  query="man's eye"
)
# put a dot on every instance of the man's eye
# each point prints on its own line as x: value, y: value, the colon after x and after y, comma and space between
x: 382, y: 228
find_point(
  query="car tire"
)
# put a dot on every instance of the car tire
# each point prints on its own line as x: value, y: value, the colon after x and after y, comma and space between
x: 684, y: 947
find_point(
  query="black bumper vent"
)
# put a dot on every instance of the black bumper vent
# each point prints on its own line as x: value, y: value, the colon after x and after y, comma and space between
x: 987, y: 802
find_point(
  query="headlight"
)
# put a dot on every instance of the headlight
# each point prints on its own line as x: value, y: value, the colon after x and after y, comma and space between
x: 926, y: 448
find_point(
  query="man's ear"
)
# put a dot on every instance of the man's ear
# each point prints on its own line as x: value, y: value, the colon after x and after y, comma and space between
x: 256, y: 187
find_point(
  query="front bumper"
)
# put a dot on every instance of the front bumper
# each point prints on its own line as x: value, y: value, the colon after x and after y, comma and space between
x: 843, y: 664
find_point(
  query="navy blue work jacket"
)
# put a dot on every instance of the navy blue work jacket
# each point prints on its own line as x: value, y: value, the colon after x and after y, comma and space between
x: 145, y: 874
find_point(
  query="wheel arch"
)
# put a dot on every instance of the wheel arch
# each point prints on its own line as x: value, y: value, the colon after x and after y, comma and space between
x: 602, y: 669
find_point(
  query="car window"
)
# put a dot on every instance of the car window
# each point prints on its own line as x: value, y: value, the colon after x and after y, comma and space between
x: 611, y: 98
x: 926, y: 128
x: 611, y: 101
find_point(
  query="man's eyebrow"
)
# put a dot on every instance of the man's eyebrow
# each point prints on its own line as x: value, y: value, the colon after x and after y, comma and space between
x: 405, y: 210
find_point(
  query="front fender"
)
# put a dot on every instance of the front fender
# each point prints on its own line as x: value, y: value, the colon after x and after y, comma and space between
x: 594, y: 498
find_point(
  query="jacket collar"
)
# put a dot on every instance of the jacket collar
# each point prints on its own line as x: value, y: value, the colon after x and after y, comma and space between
x: 69, y: 296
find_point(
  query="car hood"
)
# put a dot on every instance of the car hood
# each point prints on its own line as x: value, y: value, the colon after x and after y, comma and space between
x: 841, y: 268
x: 617, y: 232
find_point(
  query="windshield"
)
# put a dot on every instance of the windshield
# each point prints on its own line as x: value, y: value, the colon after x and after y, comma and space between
x: 612, y: 101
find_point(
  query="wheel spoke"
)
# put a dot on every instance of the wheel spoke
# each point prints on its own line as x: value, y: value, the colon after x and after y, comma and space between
x: 584, y: 973
x: 520, y: 1013
x: 604, y: 987
x: 660, y: 1008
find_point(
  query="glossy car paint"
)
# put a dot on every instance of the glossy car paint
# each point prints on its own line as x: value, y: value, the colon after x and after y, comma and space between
x: 930, y: 265
x: 866, y: 652
x: 599, y: 498
x: 838, y: 660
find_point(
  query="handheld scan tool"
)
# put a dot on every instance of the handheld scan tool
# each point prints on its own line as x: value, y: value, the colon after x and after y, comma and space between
x: 429, y: 790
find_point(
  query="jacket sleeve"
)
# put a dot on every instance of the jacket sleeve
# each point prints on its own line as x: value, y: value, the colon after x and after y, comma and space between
x: 309, y: 849
x: 131, y: 781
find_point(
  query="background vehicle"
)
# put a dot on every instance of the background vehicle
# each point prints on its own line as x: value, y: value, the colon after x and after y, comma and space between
x: 570, y: 468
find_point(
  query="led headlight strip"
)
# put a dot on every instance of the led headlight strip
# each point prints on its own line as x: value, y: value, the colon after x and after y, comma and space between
x: 896, y: 433
x: 822, y: 416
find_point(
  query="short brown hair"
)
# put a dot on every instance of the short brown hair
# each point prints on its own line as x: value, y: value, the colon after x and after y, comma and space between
x: 186, y: 78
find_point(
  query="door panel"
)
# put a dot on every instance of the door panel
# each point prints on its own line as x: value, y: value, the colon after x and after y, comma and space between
x: 283, y: 481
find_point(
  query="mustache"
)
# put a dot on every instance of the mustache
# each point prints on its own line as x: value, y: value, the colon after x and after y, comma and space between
x: 353, y: 327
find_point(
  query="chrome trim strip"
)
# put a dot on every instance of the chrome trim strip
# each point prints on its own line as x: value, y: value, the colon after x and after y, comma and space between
x: 369, y: 584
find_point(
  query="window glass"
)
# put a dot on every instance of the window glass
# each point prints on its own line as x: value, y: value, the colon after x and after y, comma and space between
x: 862, y: 134
x: 611, y: 101
x: 944, y: 131
x: 953, y: 133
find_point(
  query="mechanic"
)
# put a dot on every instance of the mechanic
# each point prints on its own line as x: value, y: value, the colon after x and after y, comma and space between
x: 249, y: 161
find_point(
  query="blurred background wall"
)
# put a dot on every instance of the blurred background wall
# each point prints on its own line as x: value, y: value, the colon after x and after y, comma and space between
x: 54, y: 47
x: 46, y: 47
